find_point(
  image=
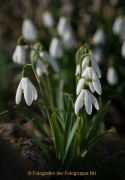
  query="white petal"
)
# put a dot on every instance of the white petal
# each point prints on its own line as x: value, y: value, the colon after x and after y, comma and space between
x: 33, y: 91
x: 91, y: 87
x: 29, y: 30
x: 88, y: 104
x: 28, y: 92
x: 89, y: 73
x: 19, y: 55
x: 39, y: 68
x: 84, y: 62
x: 96, y: 83
x: 94, y: 100
x: 54, y: 64
x: 77, y: 69
x: 79, y: 102
x: 84, y: 73
x: 19, y: 93
x: 79, y: 85
x: 95, y: 67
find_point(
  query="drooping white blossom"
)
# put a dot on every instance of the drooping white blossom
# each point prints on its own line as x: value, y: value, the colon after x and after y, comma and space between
x: 26, y: 87
x: 19, y: 55
x: 118, y: 25
x: 91, y: 80
x: 96, y: 54
x: 29, y: 30
x: 47, y: 19
x: 63, y: 26
x: 87, y: 99
x: 99, y: 37
x: 94, y: 65
x: 69, y: 40
x: 56, y: 48
x: 112, y: 76
x: 123, y: 50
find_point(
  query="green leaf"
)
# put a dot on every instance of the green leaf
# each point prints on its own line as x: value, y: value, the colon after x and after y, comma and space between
x: 99, y: 117
x: 68, y: 123
x: 72, y: 133
x: 59, y: 98
x: 57, y: 140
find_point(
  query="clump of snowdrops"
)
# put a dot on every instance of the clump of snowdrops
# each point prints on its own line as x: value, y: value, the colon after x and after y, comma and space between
x: 73, y: 138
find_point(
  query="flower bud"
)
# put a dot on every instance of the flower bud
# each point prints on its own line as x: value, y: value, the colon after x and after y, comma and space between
x: 69, y: 40
x: 29, y: 30
x: 56, y: 48
x: 112, y: 76
x: 47, y: 19
x: 123, y: 50
x: 99, y: 37
x: 118, y: 24
x: 63, y: 26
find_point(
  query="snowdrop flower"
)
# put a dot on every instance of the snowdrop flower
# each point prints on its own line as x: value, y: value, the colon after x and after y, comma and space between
x: 123, y: 50
x: 96, y: 54
x: 26, y: 87
x: 94, y: 65
x: 63, y: 26
x: 99, y: 37
x: 56, y: 48
x: 69, y: 40
x: 42, y: 67
x: 19, y: 55
x: 29, y: 30
x: 112, y: 76
x: 47, y: 19
x: 118, y: 24
x: 91, y: 80
x: 87, y: 99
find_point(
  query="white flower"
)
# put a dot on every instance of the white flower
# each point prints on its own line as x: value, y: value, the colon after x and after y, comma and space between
x: 19, y: 55
x: 41, y: 67
x: 96, y: 54
x: 26, y: 87
x: 112, y: 76
x: 123, y: 50
x: 69, y: 40
x: 99, y: 37
x: 85, y: 97
x: 118, y: 24
x: 29, y: 30
x: 47, y: 19
x: 56, y: 48
x: 94, y: 65
x: 63, y: 26
x: 91, y: 80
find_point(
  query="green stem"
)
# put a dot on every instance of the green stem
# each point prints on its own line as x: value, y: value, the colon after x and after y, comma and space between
x: 41, y: 90
x: 50, y: 90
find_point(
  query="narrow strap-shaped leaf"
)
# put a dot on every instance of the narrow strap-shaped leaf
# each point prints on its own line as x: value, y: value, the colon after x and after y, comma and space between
x: 57, y: 140
x: 74, y: 128
x: 71, y: 157
x: 67, y: 128
x: 100, y: 115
